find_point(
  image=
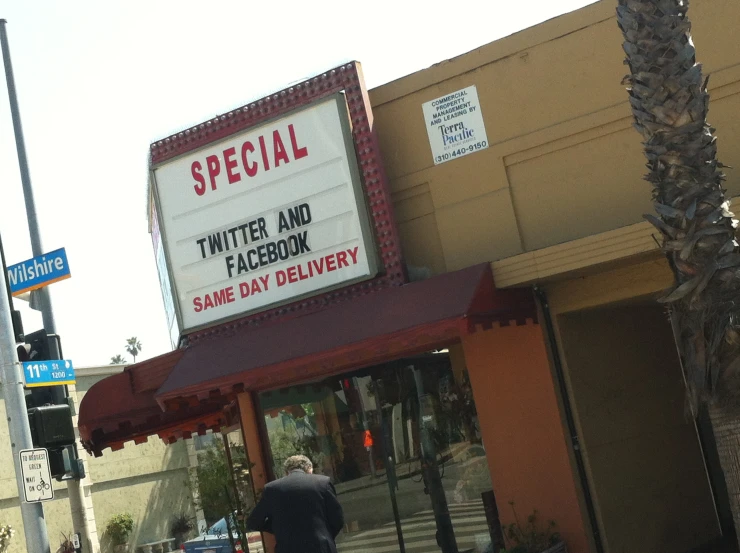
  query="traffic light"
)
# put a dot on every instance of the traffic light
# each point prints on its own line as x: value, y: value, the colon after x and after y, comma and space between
x: 49, y: 410
x: 51, y: 426
x: 17, y: 325
x: 40, y: 346
x: 52, y: 429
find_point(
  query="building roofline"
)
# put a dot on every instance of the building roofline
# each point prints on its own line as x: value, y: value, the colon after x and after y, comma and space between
x: 499, y: 49
x: 100, y: 370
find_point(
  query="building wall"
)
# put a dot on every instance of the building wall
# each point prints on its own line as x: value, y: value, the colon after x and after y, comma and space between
x: 521, y: 428
x: 151, y: 498
x: 645, y: 461
x: 630, y: 360
x: 564, y: 162
x: 57, y: 513
x: 150, y: 481
x: 558, y: 198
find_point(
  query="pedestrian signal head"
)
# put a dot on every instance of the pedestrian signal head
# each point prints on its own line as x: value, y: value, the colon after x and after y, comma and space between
x: 36, y: 347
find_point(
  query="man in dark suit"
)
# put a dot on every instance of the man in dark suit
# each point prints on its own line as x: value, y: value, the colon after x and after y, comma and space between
x: 300, y: 509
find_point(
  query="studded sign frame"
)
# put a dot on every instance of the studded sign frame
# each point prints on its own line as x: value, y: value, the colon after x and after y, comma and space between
x: 348, y: 80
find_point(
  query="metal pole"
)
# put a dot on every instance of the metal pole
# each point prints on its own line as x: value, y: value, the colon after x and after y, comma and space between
x: 74, y: 488
x: 239, y: 519
x: 430, y: 471
x: 11, y: 378
x: 365, y: 424
x: 389, y: 462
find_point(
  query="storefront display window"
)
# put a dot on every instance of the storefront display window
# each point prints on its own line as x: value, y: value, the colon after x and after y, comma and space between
x: 402, y: 444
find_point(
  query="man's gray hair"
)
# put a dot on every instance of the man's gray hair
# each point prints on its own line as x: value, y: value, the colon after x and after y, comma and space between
x: 298, y: 462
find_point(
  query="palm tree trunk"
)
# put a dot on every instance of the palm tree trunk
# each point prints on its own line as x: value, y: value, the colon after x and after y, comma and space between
x: 670, y: 104
x: 725, y: 424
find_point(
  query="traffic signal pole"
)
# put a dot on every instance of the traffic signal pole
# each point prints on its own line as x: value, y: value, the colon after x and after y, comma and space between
x: 79, y: 504
x: 11, y: 377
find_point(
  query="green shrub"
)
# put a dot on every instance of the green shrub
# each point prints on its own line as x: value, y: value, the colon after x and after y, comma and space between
x: 530, y: 537
x: 182, y: 524
x: 119, y: 527
x: 6, y: 533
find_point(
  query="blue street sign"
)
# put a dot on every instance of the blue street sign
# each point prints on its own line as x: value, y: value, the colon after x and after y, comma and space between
x: 48, y: 373
x: 38, y: 272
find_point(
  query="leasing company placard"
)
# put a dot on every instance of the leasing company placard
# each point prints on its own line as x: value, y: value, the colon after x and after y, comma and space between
x: 265, y: 217
x: 455, y: 125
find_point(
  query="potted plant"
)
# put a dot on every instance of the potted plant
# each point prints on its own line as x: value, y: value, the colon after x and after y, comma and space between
x: 66, y: 546
x: 531, y: 537
x: 118, y: 528
x: 6, y: 533
x: 181, y: 525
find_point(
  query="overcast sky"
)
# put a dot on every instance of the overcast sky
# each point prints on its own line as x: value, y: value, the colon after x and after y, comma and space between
x: 97, y: 82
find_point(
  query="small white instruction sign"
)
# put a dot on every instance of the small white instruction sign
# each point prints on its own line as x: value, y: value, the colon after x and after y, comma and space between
x: 36, y: 475
x: 455, y: 125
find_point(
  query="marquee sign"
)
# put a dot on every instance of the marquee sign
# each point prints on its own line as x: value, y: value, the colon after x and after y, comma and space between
x: 265, y: 216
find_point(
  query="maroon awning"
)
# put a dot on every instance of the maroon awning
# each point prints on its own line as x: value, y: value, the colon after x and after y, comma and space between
x: 362, y: 331
x: 122, y: 408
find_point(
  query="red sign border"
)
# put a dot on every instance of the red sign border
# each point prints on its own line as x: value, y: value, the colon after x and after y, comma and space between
x: 348, y: 79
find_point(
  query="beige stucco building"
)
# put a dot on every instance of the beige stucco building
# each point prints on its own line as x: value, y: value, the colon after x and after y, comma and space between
x: 557, y: 201
x: 150, y: 482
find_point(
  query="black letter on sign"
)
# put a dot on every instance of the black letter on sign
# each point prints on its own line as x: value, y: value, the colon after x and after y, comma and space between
x: 282, y: 223
x: 303, y: 241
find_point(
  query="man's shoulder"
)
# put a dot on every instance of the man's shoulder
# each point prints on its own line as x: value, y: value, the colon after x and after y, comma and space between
x: 321, y: 482
x: 276, y: 484
x: 321, y: 479
x: 293, y: 479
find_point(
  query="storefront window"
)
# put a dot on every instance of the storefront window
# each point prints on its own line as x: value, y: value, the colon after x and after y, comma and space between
x: 401, y: 442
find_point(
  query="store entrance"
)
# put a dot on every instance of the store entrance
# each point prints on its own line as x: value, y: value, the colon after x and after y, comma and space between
x: 402, y: 445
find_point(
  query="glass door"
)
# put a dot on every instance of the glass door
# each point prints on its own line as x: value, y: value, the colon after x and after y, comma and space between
x: 402, y: 445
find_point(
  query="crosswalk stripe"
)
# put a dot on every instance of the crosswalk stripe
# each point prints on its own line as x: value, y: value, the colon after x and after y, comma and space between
x: 452, y: 507
x: 453, y: 513
x: 431, y: 544
x: 418, y: 530
x: 409, y: 536
x: 426, y: 521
